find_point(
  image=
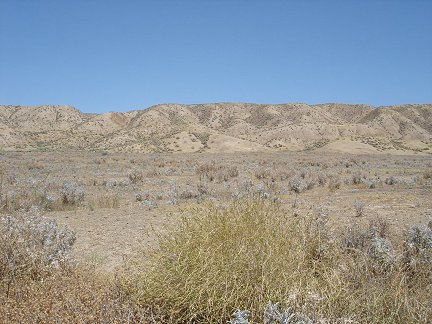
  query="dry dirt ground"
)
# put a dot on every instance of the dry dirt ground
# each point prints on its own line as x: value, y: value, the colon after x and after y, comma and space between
x: 127, y: 199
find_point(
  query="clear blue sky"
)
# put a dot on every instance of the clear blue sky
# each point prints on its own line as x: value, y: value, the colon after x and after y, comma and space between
x: 101, y: 55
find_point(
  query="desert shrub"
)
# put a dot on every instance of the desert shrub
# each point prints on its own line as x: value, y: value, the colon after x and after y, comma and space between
x: 310, y: 183
x: 141, y: 196
x: 380, y: 226
x: 297, y: 185
x: 420, y: 237
x: 225, y: 174
x: 355, y: 237
x: 150, y: 204
x: 390, y: 181
x: 272, y: 314
x: 208, y: 170
x: 217, y: 261
x: 10, y: 178
x: 188, y: 193
x: 203, y: 191
x: 135, y: 176
x: 371, y: 183
x: 246, y: 185
x: 72, y: 194
x: 25, y: 194
x: 359, y: 207
x: 151, y: 174
x: 148, y: 199
x: 31, y: 245
x: 40, y: 282
x: 203, y: 138
x: 322, y: 179
x: 371, y: 240
x: 240, y: 317
x: 262, y: 173
x: 418, y: 247
x: 111, y: 183
x: 24, y: 199
x: 334, y: 183
x: 34, y: 165
x: 233, y: 171
x: 172, y: 193
x: 380, y: 252
x: 356, y: 178
x: 170, y: 171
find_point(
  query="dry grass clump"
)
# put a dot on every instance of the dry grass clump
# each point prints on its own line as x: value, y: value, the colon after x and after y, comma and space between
x: 207, y: 171
x: 106, y: 199
x: 14, y: 200
x: 240, y: 258
x: 42, y: 194
x: 77, y: 296
x: 34, y: 193
x: 40, y: 282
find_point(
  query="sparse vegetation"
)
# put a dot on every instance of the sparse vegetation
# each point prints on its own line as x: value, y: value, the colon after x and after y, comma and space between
x: 250, y: 127
x: 105, y: 200
x: 32, y: 246
x: 203, y: 138
x: 359, y: 207
x: 72, y: 194
x: 223, y: 238
x: 135, y: 176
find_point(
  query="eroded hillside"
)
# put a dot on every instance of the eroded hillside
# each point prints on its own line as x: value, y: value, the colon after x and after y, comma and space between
x: 221, y: 127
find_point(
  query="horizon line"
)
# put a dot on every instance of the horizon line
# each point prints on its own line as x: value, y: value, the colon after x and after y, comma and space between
x: 211, y: 103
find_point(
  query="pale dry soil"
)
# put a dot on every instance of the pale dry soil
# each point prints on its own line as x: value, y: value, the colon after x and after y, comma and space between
x: 109, y: 236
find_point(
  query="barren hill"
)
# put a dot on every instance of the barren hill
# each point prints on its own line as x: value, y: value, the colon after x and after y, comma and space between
x: 222, y: 127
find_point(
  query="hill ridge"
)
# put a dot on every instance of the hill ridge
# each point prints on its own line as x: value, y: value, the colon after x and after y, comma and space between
x: 221, y: 127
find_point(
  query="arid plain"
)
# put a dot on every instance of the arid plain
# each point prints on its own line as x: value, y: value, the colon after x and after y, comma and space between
x: 123, y: 180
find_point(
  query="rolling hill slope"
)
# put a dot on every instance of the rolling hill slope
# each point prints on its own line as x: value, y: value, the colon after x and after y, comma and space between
x: 222, y: 127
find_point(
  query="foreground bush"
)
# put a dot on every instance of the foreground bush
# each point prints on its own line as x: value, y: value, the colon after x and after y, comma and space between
x: 76, y: 296
x: 40, y: 283
x: 218, y: 261
x: 32, y: 246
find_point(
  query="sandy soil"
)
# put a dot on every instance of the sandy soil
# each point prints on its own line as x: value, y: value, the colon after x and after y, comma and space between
x: 169, y: 185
